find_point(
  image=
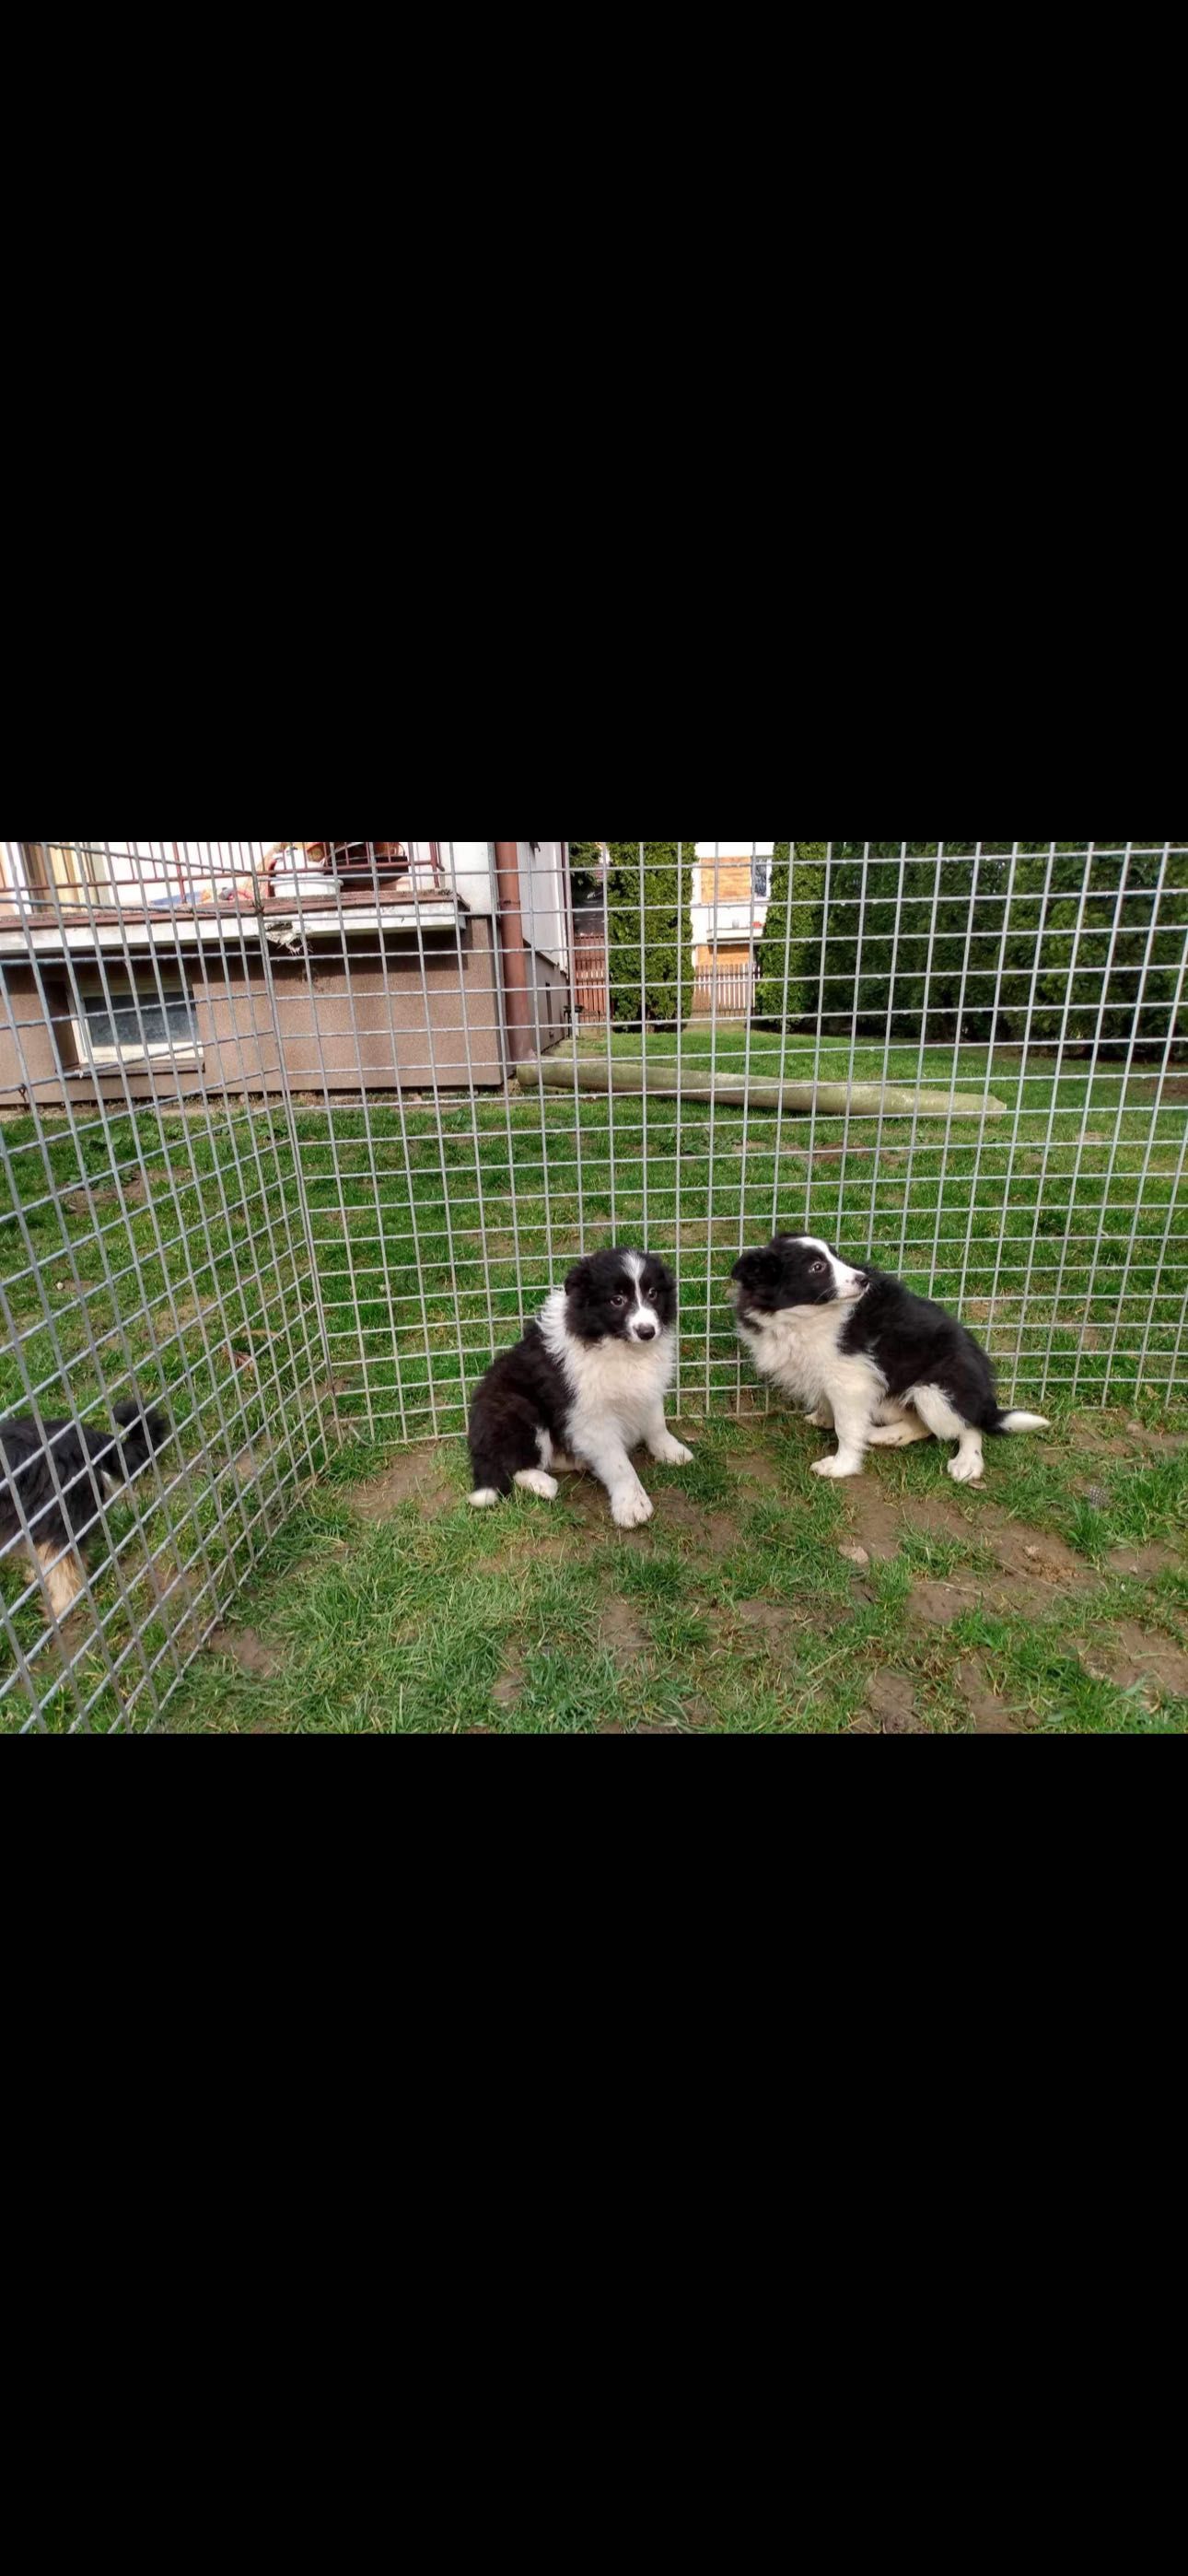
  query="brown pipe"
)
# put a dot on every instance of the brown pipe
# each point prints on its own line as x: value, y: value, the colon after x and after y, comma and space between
x: 517, y: 998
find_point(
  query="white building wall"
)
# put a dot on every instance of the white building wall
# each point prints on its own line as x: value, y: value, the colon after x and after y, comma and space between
x: 726, y: 920
x: 469, y: 870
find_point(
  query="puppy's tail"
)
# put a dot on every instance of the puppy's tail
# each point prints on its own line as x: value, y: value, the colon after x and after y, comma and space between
x: 1020, y: 1422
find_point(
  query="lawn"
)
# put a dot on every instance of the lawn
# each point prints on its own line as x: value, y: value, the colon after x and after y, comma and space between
x: 176, y: 1251
x: 757, y: 1600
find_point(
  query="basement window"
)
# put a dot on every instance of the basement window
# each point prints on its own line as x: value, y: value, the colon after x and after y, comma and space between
x: 135, y: 1019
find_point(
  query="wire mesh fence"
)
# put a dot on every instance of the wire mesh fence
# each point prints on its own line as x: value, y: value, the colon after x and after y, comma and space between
x: 292, y: 1138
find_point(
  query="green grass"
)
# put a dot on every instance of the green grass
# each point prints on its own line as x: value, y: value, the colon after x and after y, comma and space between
x: 178, y: 1249
x: 733, y: 1610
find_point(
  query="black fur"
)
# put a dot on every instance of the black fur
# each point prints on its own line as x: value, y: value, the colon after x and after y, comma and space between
x: 912, y: 1341
x: 78, y: 1450
x: 918, y: 1343
x: 596, y: 1288
x: 525, y: 1391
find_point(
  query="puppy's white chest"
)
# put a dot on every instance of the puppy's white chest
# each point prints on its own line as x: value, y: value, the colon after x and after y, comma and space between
x: 611, y: 1382
x: 798, y: 1350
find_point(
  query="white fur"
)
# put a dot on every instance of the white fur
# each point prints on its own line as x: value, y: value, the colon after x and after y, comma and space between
x: 617, y: 1391
x: 935, y: 1409
x: 482, y: 1498
x: 534, y: 1481
x: 798, y: 1350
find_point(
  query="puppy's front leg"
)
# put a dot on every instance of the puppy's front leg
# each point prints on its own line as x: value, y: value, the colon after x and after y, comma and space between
x: 661, y: 1443
x: 604, y: 1454
x: 851, y: 1419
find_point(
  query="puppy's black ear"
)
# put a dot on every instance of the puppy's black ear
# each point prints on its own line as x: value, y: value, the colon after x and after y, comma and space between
x: 757, y: 1269
x: 577, y: 1277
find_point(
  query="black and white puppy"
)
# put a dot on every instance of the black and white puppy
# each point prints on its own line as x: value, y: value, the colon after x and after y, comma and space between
x: 865, y: 1357
x: 586, y: 1383
x: 90, y: 1466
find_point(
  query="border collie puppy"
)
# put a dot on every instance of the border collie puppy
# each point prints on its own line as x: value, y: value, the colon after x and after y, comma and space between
x: 586, y: 1383
x: 865, y: 1357
x: 91, y: 1465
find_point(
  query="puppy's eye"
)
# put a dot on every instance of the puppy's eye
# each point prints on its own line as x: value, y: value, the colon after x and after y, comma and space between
x: 816, y: 1265
x: 650, y: 1292
x: 618, y: 1300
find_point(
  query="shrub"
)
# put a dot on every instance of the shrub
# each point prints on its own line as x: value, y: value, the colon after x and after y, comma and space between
x: 649, y: 930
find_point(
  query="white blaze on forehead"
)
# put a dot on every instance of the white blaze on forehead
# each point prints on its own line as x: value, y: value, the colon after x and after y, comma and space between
x: 633, y: 1263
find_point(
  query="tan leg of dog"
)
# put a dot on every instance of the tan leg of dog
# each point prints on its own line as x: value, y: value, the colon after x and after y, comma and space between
x: 62, y: 1575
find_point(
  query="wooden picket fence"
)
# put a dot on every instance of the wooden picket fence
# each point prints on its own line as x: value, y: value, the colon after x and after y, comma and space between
x: 733, y: 1001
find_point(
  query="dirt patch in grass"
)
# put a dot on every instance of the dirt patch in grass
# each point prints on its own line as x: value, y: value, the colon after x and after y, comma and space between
x: 937, y: 1605
x: 646, y: 1726
x: 756, y: 1467
x: 941, y: 1515
x: 718, y: 1530
x: 506, y: 1691
x: 242, y: 1646
x: 1101, y: 1441
x: 874, y: 1518
x: 1145, y: 1561
x: 770, y: 1621
x: 1147, y: 1086
x: 989, y: 1713
x: 1134, y: 1659
x: 78, y: 1204
x: 1036, y: 1555
x: 619, y: 1629
x: 415, y: 1478
x: 891, y: 1704
x: 1163, y: 1444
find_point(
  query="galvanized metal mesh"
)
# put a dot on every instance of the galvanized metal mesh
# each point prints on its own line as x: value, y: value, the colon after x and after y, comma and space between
x: 292, y: 1140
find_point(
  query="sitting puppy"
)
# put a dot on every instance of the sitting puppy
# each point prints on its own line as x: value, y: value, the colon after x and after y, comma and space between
x: 91, y: 1465
x: 586, y: 1383
x: 865, y: 1357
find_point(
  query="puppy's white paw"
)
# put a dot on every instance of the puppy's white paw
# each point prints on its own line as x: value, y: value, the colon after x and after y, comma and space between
x: 671, y: 1454
x: 894, y: 1435
x: 628, y: 1509
x: 837, y: 1466
x: 967, y: 1470
x: 535, y: 1481
x: 481, y: 1500
x: 821, y: 1420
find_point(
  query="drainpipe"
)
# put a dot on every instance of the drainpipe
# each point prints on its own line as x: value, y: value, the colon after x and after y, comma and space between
x: 517, y: 999
x: 570, y: 941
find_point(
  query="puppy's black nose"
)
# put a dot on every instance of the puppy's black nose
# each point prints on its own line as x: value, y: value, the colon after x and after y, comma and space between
x: 645, y: 1332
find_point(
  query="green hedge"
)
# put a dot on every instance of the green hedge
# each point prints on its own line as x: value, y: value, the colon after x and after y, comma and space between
x: 649, y: 930
x: 784, y: 982
x: 928, y: 947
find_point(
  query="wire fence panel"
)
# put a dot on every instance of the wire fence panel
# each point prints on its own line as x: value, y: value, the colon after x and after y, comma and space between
x: 293, y: 1137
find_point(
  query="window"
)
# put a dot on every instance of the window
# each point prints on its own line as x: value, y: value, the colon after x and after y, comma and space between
x: 761, y: 879
x: 134, y: 1019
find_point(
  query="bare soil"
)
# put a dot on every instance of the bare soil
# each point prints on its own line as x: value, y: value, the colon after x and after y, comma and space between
x: 1136, y: 1659
x: 415, y: 1478
x: 243, y: 1647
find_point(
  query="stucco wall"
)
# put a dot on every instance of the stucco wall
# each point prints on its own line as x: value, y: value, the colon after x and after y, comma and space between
x: 396, y: 1020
